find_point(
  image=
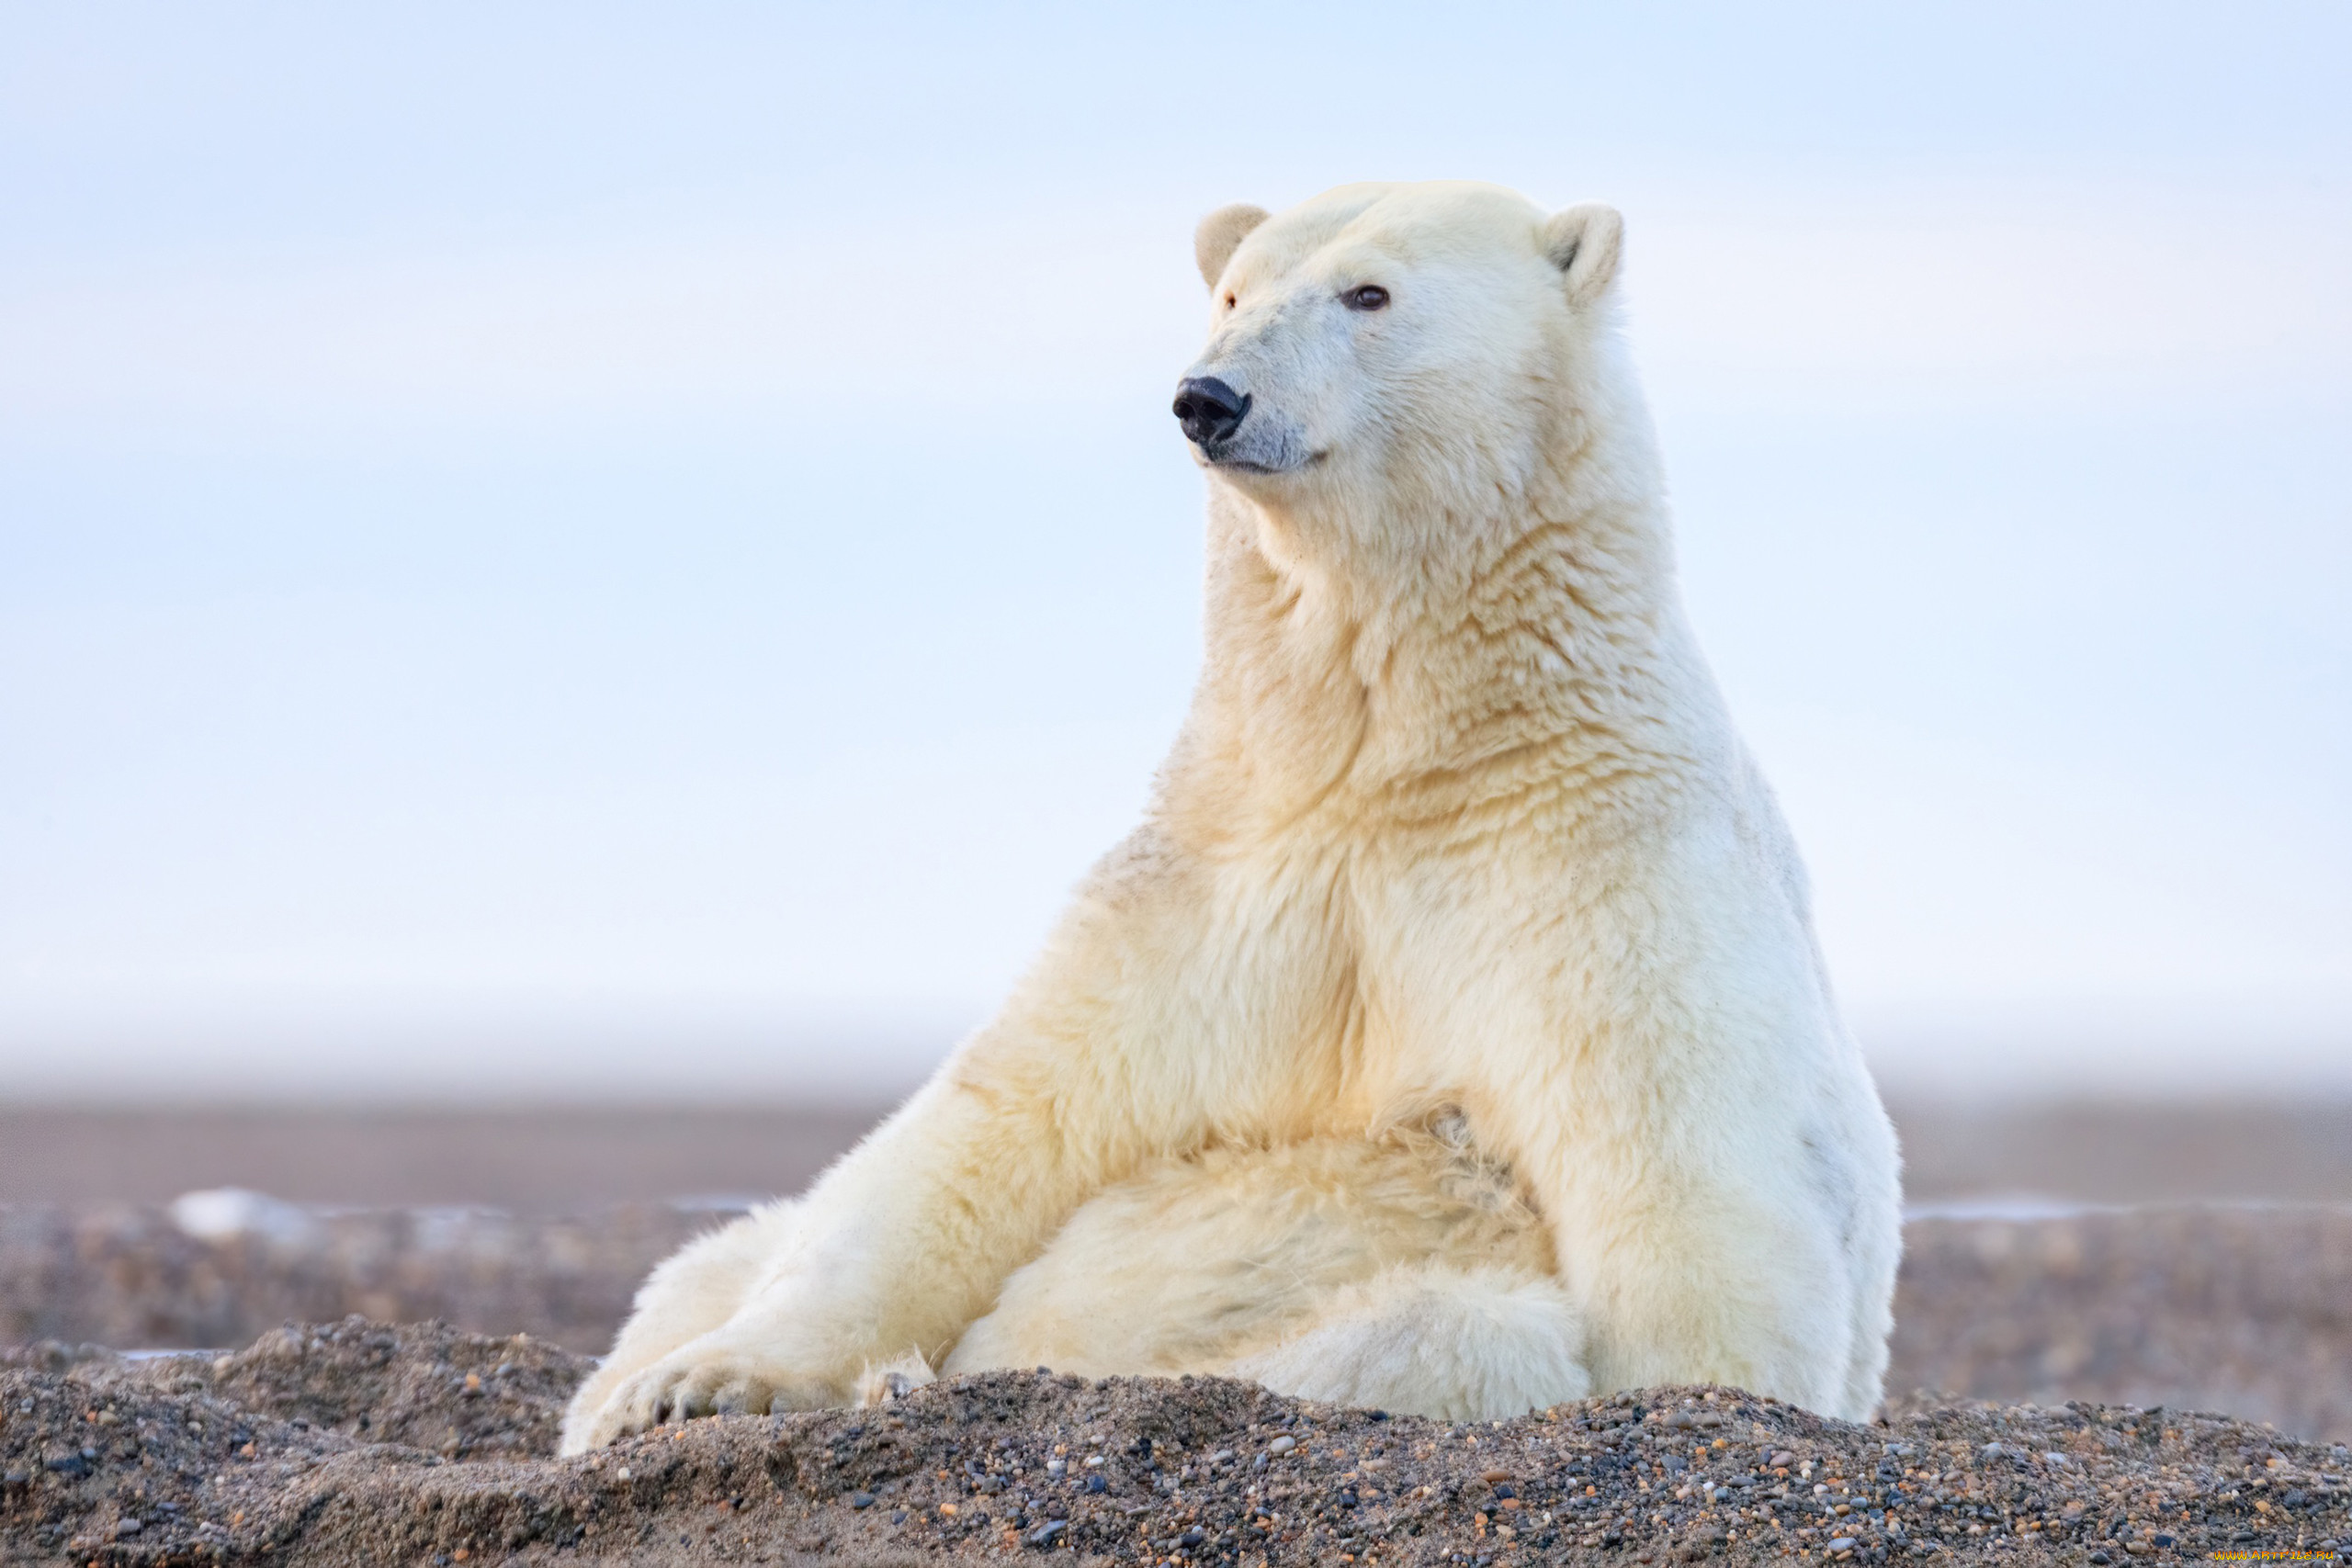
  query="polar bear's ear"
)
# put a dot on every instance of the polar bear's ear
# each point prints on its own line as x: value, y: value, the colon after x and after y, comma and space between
x: 1583, y: 243
x: 1220, y: 233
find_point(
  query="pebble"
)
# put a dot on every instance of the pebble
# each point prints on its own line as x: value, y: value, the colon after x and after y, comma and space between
x: 861, y: 1499
x: 1283, y: 1444
x: 1043, y: 1534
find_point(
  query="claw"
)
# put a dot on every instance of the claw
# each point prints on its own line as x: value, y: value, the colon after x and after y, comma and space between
x: 713, y: 1381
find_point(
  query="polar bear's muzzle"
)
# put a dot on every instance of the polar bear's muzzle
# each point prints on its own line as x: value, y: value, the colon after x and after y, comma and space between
x: 1209, y: 411
x: 1217, y: 420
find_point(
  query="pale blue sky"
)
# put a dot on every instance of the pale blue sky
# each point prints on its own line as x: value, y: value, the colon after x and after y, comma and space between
x: 622, y: 548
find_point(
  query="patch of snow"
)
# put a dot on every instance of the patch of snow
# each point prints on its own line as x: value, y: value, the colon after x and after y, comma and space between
x: 227, y: 1213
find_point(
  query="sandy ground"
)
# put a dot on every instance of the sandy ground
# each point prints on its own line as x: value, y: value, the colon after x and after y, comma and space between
x: 359, y: 1443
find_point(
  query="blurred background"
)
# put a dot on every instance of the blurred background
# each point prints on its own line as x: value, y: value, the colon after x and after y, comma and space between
x: 578, y: 583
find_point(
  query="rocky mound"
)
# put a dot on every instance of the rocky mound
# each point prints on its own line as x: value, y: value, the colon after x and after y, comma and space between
x: 366, y: 1443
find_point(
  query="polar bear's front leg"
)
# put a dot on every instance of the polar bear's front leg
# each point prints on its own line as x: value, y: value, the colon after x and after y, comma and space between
x: 893, y: 1251
x: 1717, y: 1227
x: 1114, y: 1051
x: 1654, y: 1051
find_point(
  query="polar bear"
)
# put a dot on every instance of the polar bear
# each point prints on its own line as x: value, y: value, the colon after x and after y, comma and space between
x: 1451, y: 1037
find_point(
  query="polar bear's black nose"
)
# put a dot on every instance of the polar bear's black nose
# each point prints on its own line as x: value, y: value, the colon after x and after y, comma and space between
x: 1209, y: 410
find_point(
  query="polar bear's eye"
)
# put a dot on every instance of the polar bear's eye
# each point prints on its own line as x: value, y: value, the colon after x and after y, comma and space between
x: 1228, y: 301
x: 1369, y: 297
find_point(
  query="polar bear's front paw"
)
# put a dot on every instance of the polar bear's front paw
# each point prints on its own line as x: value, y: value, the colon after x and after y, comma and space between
x: 707, y: 1377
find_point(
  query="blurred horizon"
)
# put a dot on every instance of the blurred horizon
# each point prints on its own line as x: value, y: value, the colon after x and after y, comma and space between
x: 562, y: 553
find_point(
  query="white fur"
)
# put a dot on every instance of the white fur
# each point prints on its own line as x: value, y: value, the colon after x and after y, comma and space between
x: 1450, y: 1036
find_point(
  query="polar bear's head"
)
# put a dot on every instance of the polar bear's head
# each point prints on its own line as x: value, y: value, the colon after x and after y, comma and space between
x: 1386, y: 341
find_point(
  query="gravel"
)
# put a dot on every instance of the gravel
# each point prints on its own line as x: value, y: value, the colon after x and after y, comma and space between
x: 279, y: 1454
